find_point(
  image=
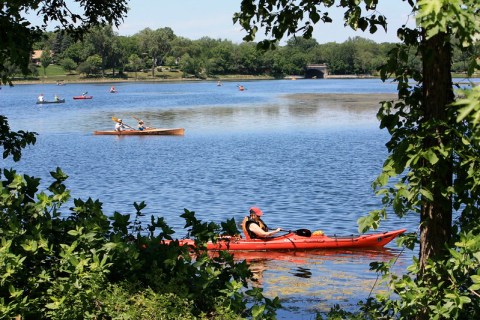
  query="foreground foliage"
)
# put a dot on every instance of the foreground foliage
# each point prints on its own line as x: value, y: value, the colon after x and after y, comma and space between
x: 79, y: 263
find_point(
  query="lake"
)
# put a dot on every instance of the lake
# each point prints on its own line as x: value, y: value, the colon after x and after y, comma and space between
x: 304, y: 151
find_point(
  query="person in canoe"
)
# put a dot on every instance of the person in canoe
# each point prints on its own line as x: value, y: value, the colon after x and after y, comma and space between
x: 141, y: 125
x: 56, y: 98
x: 119, y: 126
x: 254, y: 227
x: 113, y: 90
x: 41, y: 98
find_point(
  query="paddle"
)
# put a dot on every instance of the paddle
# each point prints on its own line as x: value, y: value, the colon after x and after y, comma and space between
x: 126, y: 125
x: 300, y: 232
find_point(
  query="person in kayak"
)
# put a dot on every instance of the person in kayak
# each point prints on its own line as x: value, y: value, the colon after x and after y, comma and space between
x: 141, y: 125
x: 119, y: 126
x: 254, y: 227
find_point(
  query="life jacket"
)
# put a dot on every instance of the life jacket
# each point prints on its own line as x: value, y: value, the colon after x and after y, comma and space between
x: 246, y: 230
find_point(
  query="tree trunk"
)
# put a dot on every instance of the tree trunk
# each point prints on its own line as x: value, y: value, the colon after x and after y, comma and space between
x: 436, y: 215
x: 154, y: 64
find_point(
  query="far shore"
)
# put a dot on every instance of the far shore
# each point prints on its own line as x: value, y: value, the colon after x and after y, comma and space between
x: 232, y: 78
x: 160, y: 79
x: 55, y: 80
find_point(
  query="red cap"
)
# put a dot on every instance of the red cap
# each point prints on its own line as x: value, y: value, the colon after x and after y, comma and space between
x: 256, y: 210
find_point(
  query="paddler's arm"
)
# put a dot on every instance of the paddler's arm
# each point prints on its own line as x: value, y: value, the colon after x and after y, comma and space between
x: 255, y: 228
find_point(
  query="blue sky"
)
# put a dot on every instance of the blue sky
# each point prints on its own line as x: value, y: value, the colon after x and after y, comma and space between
x: 194, y: 19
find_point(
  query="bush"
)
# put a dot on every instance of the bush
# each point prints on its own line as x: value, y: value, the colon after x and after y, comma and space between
x: 82, y: 264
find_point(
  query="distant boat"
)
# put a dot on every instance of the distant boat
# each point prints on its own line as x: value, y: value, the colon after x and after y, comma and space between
x: 82, y: 97
x: 146, y: 132
x: 54, y: 101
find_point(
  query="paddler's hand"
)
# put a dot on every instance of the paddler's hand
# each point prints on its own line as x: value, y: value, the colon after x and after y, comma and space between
x: 275, y: 231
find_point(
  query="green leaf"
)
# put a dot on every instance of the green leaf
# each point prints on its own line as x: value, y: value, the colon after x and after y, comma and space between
x: 465, y: 111
x: 257, y: 311
x: 30, y: 245
x: 431, y: 156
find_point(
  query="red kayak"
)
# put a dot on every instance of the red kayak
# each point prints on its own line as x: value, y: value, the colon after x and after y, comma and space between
x: 301, y: 240
x: 82, y: 97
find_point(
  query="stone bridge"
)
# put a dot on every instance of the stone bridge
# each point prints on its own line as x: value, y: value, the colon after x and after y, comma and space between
x: 316, y: 71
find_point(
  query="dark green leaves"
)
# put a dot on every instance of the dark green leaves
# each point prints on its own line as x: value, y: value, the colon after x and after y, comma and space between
x: 13, y: 142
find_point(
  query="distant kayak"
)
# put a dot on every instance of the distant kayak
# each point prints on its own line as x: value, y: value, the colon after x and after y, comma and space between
x: 303, y: 239
x: 54, y: 101
x: 82, y: 97
x: 146, y: 132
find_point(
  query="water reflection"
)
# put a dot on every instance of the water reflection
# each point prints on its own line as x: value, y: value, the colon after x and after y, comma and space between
x: 302, y: 272
x: 312, y: 281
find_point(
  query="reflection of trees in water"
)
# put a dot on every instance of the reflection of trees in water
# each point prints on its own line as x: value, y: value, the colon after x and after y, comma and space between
x: 315, y: 280
x: 290, y: 111
x: 356, y: 104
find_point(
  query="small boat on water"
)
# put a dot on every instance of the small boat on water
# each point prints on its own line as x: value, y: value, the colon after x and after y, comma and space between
x: 146, y: 132
x: 54, y: 101
x: 301, y: 239
x: 82, y: 97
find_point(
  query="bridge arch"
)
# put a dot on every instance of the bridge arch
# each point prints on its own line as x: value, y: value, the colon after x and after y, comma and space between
x: 316, y: 71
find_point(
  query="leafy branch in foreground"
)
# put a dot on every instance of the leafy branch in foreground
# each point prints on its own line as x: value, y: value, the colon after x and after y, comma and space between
x: 79, y: 263
x: 68, y: 265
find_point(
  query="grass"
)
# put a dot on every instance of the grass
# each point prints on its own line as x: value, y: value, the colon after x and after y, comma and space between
x: 56, y: 73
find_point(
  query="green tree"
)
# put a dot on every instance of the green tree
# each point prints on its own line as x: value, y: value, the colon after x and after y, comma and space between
x: 191, y: 66
x: 17, y: 34
x: 101, y: 42
x: 156, y: 44
x: 433, y: 151
x: 68, y: 64
x: 45, y: 60
x: 135, y: 63
x: 91, y: 66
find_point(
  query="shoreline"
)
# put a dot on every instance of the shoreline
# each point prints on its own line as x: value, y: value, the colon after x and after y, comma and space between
x: 55, y: 80
x: 139, y: 80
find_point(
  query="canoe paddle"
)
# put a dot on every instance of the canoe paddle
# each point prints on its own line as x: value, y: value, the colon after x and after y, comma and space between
x: 126, y: 125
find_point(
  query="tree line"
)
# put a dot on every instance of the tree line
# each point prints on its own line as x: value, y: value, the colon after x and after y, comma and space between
x: 102, y: 51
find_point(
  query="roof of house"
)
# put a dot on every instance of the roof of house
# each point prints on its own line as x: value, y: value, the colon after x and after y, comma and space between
x: 37, y: 54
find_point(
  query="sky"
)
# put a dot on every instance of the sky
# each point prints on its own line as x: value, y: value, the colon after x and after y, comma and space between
x: 194, y: 19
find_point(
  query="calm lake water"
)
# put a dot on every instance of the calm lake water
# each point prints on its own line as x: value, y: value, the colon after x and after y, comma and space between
x: 307, y: 161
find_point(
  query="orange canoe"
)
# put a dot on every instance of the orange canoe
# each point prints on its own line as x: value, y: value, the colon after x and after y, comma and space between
x: 294, y: 241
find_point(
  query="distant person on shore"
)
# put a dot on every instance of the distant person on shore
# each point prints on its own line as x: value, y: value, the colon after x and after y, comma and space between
x: 254, y: 227
x: 119, y: 126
